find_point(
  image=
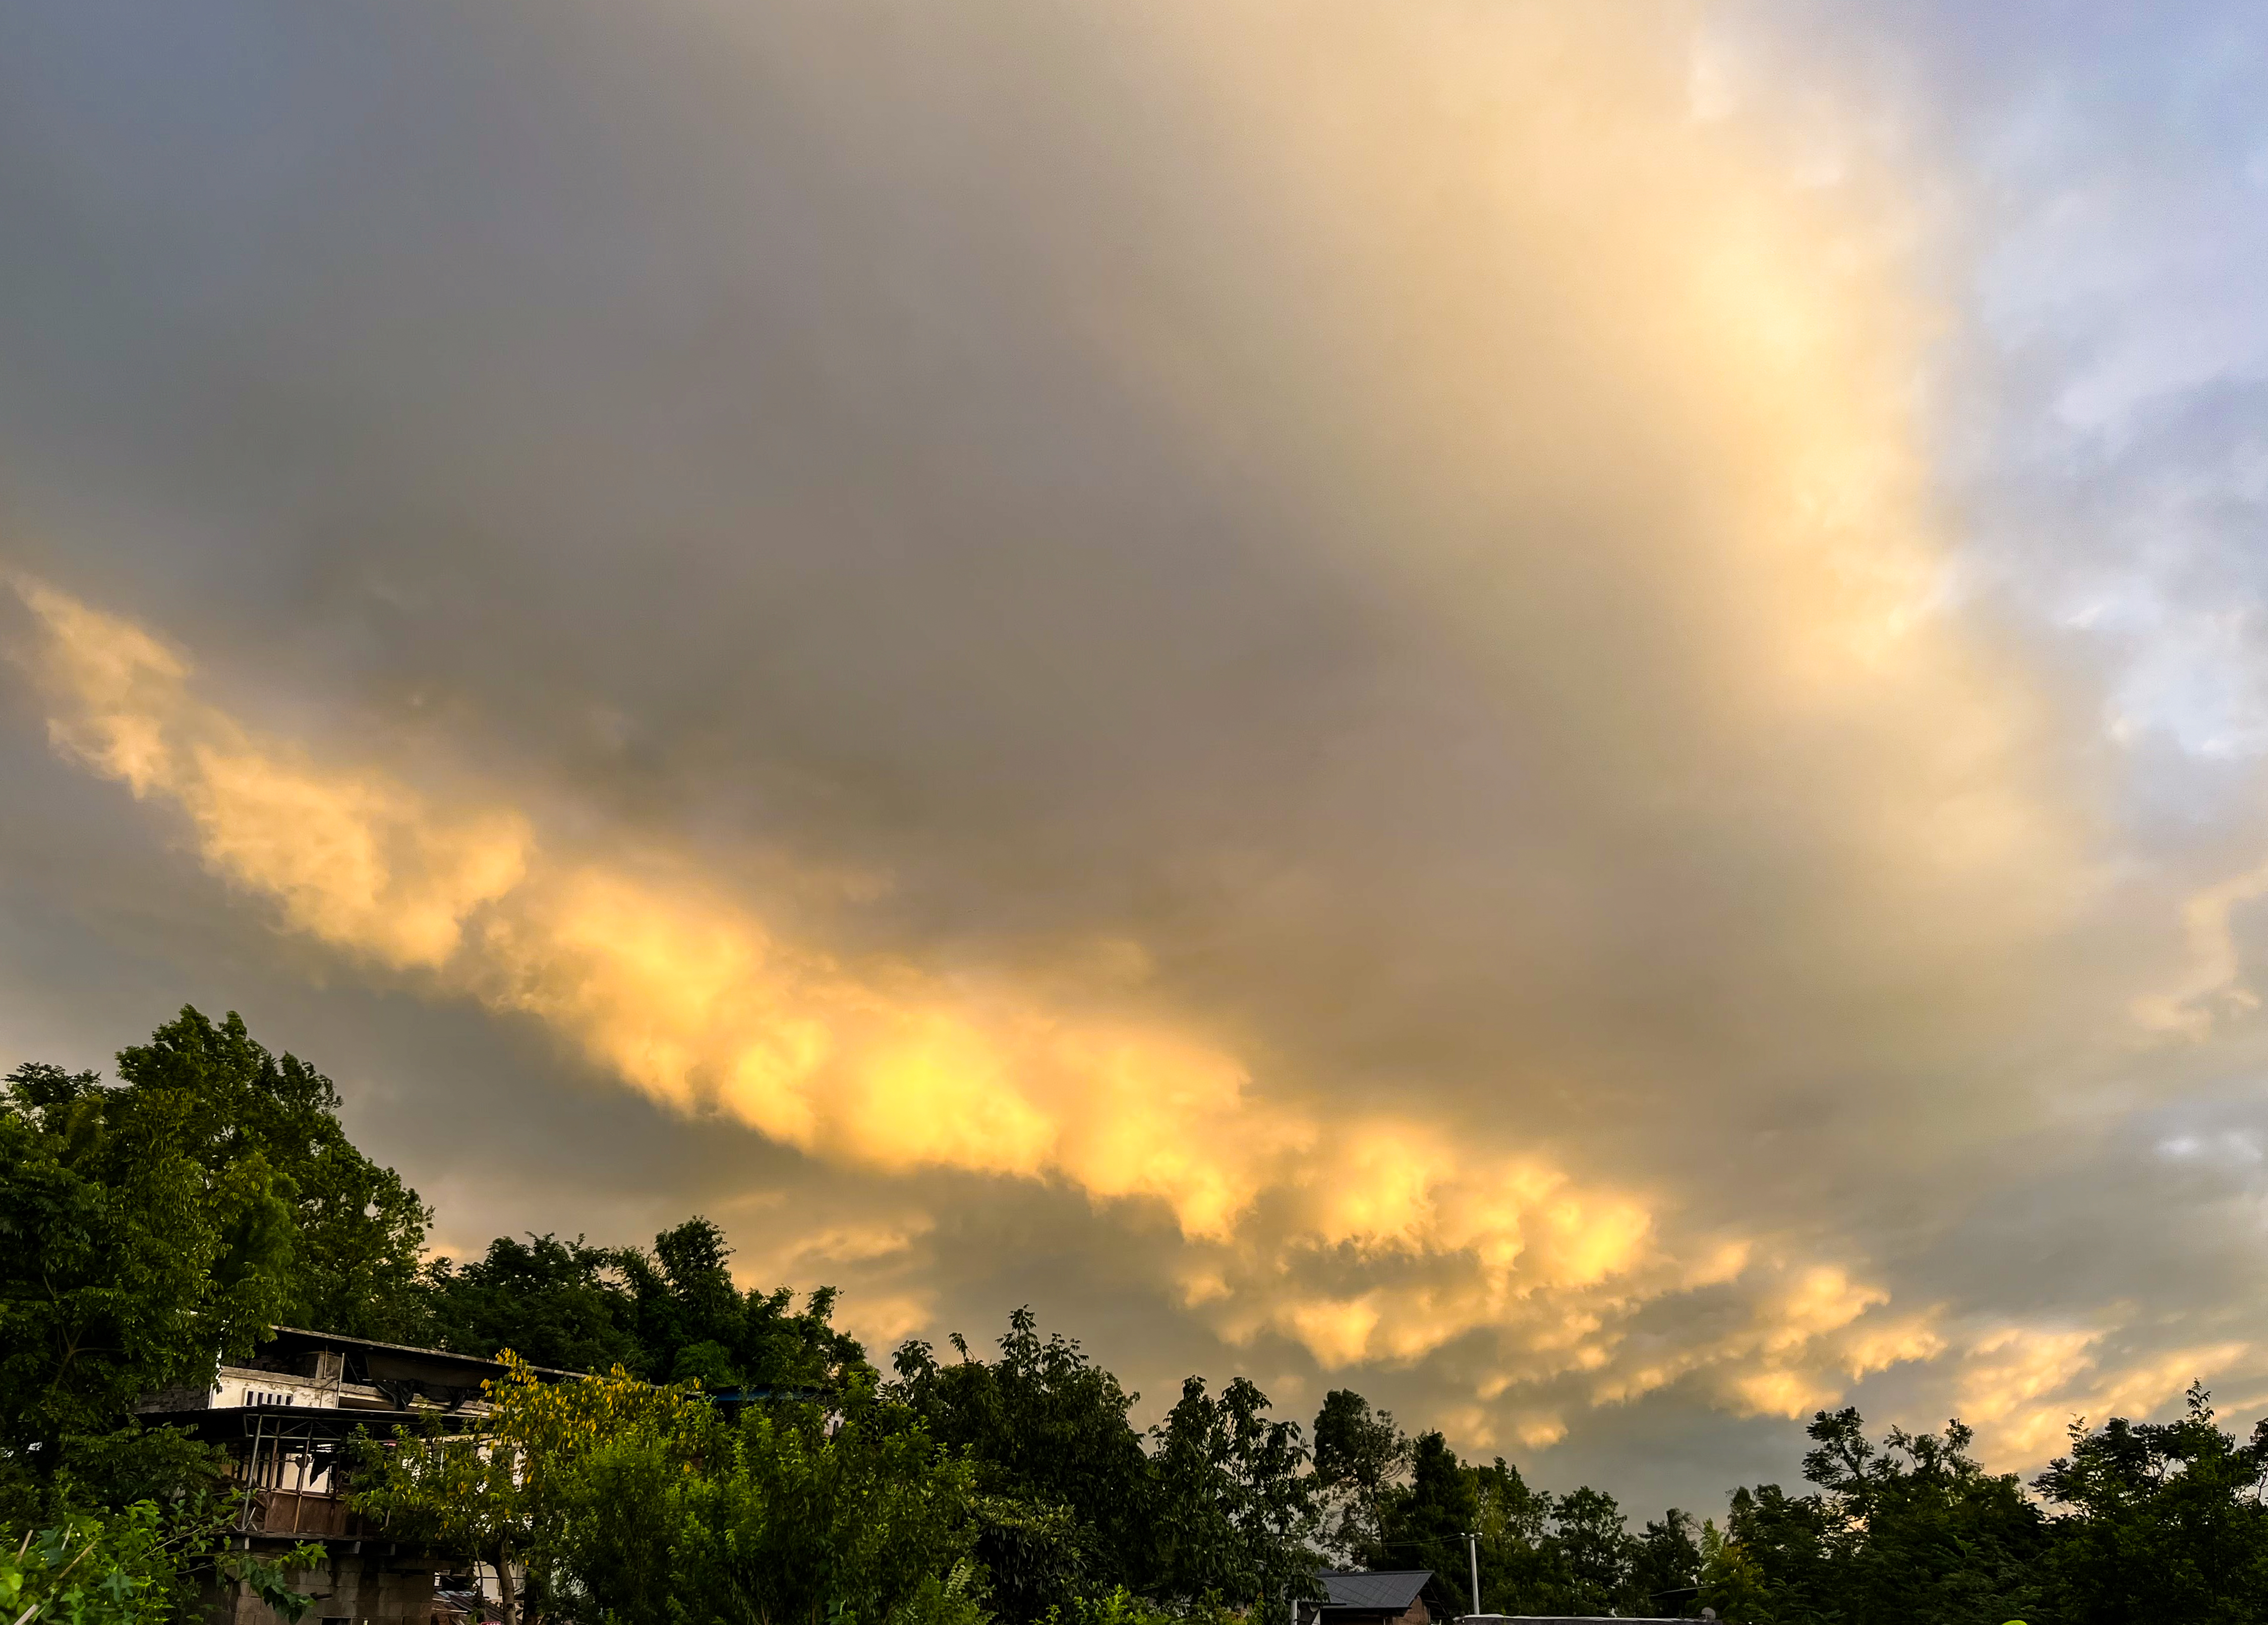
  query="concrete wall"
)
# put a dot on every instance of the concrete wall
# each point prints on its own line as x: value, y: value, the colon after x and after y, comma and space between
x: 358, y: 1587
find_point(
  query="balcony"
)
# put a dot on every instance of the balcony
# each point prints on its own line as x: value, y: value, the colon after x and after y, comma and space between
x: 297, y: 1513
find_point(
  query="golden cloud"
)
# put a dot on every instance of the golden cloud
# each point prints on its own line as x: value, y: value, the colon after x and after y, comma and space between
x: 688, y: 997
x: 1572, y: 354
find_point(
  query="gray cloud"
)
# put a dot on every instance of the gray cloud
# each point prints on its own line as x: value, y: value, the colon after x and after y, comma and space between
x: 1404, y: 566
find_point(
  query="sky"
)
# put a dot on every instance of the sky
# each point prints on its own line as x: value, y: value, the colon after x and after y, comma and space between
x: 1555, y: 712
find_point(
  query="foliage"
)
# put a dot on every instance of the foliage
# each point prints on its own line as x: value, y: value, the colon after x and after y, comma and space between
x: 1234, y: 1513
x: 354, y: 1230
x: 1915, y: 1530
x: 790, y: 1515
x: 1667, y: 1558
x: 625, y: 1501
x: 558, y: 1303
x: 692, y: 1323
x: 152, y: 1227
x: 673, y: 1314
x: 1422, y: 1522
x: 138, y: 1564
x: 1359, y: 1455
x: 127, y: 1264
x: 1732, y: 1580
x: 1537, y: 1553
x: 1120, y: 1606
x: 497, y: 1495
x: 2166, y: 1521
x: 1221, y: 1510
x: 1065, y: 1480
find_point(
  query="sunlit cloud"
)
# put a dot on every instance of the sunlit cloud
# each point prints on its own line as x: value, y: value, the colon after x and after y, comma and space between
x: 685, y: 996
x: 1334, y: 675
x: 2023, y: 1387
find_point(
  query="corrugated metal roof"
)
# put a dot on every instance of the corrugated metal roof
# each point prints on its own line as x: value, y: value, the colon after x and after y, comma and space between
x: 1393, y: 1591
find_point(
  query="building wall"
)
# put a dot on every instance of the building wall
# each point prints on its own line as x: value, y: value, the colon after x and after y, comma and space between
x: 352, y: 1588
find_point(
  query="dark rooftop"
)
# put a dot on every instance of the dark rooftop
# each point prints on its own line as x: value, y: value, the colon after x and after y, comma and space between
x: 291, y: 1337
x: 1392, y: 1591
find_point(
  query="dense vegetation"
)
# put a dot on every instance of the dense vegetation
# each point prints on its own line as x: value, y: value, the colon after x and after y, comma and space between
x: 735, y: 1456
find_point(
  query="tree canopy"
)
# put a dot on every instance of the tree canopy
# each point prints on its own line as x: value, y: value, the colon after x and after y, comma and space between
x: 735, y: 1455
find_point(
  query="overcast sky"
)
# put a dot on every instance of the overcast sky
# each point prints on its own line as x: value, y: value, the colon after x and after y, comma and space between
x: 1559, y: 712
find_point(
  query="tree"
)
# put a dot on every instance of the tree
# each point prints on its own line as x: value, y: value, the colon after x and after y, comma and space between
x: 793, y: 1514
x: 1732, y: 1582
x: 1666, y: 1558
x: 1537, y: 1553
x: 1235, y: 1515
x: 1423, y: 1523
x: 138, y: 1566
x: 621, y: 1500
x: 505, y: 1494
x: 2164, y: 1521
x: 1910, y: 1530
x: 1359, y: 1455
x: 671, y: 1314
x: 152, y: 1229
x: 563, y: 1304
x: 357, y: 1230
x: 1065, y: 1486
x: 692, y: 1323
x: 1599, y: 1552
x: 126, y: 1263
x: 1917, y: 1530
x: 1781, y: 1545
x: 1523, y: 1570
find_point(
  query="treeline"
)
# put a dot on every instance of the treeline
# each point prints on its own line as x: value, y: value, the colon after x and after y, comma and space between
x: 749, y: 1461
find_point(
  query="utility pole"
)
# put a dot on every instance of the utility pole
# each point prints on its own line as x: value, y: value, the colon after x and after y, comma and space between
x: 1473, y: 1548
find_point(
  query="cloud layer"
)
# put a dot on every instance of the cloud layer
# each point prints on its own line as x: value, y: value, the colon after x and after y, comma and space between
x: 1376, y: 693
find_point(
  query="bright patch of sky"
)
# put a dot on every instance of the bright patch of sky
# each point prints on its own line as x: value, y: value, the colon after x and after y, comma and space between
x: 2118, y: 192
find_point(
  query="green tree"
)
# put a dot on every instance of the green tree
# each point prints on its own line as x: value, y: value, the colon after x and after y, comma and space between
x: 140, y: 1565
x: 1596, y: 1541
x: 357, y: 1230
x: 1523, y: 1570
x: 504, y: 1493
x: 2164, y: 1521
x: 1537, y: 1553
x: 1909, y: 1530
x: 621, y: 1500
x: 563, y: 1304
x: 1732, y: 1582
x: 792, y: 1514
x: 126, y: 1263
x: 1235, y: 1516
x: 1360, y: 1455
x: 1917, y: 1530
x: 1423, y: 1523
x: 1067, y: 1488
x: 1784, y: 1552
x: 694, y: 1324
x: 1666, y: 1558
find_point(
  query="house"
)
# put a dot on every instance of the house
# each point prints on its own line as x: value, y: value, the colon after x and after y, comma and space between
x: 1358, y: 1597
x: 285, y: 1419
x: 1410, y: 1596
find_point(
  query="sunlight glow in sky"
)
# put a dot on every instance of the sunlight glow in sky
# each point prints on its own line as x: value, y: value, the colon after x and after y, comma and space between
x: 1558, y: 712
